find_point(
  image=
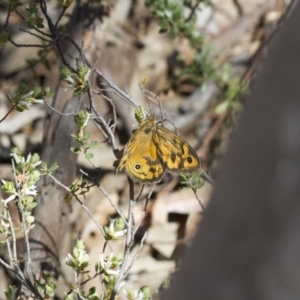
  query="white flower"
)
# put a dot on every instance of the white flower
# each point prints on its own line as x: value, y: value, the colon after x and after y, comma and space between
x: 31, y: 190
x: 69, y: 258
x: 106, y: 265
x: 134, y: 294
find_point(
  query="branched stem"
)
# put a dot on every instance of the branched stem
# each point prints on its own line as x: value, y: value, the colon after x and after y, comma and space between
x: 83, y: 206
x: 129, y: 239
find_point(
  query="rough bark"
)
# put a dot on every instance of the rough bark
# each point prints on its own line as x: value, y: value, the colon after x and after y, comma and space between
x: 52, y: 213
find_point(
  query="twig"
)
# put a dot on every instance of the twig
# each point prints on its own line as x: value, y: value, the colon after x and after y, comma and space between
x: 77, y: 286
x: 23, y: 225
x: 129, y: 239
x: 26, y: 281
x: 140, y: 193
x: 61, y: 15
x: 112, y: 106
x: 2, y: 262
x: 57, y: 111
x: 7, y: 16
x: 13, y: 107
x: 106, y: 195
x: 82, y: 205
x: 207, y: 177
x: 136, y: 254
x: 100, y: 120
x: 33, y: 27
x: 14, y: 242
x: 144, y: 211
x: 193, y: 10
x: 28, y: 45
x: 199, y: 200
x: 114, y: 87
x: 39, y: 37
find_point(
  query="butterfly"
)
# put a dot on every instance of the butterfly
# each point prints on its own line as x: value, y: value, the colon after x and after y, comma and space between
x: 153, y: 150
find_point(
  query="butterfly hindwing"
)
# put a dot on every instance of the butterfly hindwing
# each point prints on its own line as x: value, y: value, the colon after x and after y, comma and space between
x: 177, y: 154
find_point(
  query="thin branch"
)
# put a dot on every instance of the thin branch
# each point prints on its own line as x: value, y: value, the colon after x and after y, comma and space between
x: 114, y: 87
x: 13, y: 107
x: 23, y: 224
x: 100, y: 120
x: 83, y: 57
x: 105, y: 194
x: 141, y: 191
x: 129, y: 239
x: 26, y: 281
x: 199, y: 200
x: 207, y: 177
x: 90, y: 278
x: 113, y: 205
x: 57, y: 111
x: 27, y: 45
x: 60, y: 15
x: 7, y: 17
x: 56, y: 35
x: 112, y: 105
x: 107, y: 130
x: 77, y: 286
x: 2, y: 262
x: 144, y: 211
x: 136, y: 254
x: 82, y: 205
x: 33, y: 27
x: 58, y: 47
x: 38, y: 36
x: 11, y: 40
x: 14, y: 240
x: 193, y: 11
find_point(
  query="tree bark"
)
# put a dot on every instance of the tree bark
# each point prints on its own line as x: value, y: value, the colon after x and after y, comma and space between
x: 248, y: 245
x: 52, y: 212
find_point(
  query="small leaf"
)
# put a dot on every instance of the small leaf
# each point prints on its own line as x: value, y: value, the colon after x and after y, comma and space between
x: 3, y: 38
x: 89, y: 155
x: 68, y: 197
x: 76, y: 150
x: 91, y: 145
x: 53, y: 167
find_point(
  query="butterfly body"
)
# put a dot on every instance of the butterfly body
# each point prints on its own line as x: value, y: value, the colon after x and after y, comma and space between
x: 152, y: 150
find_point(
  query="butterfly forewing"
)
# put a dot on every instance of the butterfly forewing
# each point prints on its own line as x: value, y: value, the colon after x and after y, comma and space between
x: 141, y: 159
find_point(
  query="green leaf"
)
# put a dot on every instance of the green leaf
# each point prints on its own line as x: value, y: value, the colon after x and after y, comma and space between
x: 11, y: 294
x: 46, y: 276
x: 3, y: 38
x: 91, y: 145
x: 87, y: 135
x: 53, y: 167
x: 76, y: 150
x: 89, y: 155
x: 50, y: 289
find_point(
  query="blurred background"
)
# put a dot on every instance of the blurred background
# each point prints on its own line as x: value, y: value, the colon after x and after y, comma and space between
x: 197, y: 57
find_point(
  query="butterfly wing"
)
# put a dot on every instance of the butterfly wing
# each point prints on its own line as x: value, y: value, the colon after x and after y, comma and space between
x: 177, y: 154
x: 141, y: 159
